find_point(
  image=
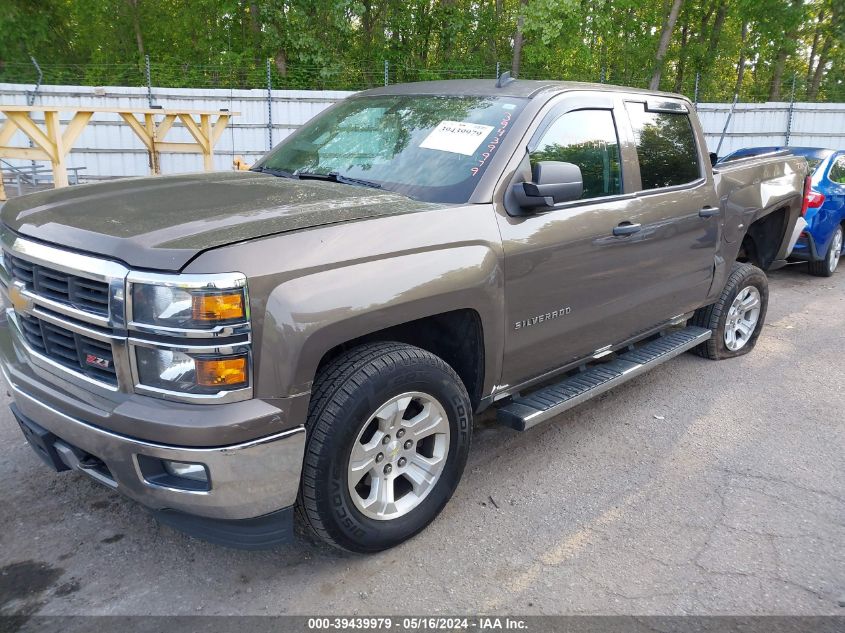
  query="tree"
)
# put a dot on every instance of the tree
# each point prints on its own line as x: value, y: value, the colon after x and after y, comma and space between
x: 831, y: 34
x: 790, y: 17
x: 136, y: 25
x: 518, y: 39
x: 750, y: 46
x: 663, y: 46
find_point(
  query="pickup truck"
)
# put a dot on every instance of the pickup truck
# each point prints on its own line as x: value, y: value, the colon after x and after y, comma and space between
x: 307, y: 342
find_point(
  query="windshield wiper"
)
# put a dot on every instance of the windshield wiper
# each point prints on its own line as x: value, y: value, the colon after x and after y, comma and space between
x: 333, y: 176
x: 281, y: 173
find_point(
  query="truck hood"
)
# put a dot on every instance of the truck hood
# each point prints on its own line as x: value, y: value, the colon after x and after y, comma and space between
x: 164, y: 222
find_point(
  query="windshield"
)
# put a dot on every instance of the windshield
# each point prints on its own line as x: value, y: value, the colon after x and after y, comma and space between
x: 429, y: 148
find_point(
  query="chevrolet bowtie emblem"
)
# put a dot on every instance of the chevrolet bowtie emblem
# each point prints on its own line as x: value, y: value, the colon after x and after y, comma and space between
x: 20, y: 302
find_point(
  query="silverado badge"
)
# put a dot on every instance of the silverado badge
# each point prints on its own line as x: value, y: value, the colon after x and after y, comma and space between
x: 542, y: 318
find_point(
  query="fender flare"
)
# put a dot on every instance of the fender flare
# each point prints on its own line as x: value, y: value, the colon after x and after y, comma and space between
x: 310, y: 315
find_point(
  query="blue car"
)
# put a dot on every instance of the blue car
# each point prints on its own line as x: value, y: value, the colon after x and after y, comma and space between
x: 821, y: 243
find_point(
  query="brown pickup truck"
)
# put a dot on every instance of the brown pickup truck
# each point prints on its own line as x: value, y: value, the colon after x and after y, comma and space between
x: 313, y: 337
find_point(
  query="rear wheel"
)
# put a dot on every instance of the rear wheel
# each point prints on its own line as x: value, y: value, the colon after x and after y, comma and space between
x: 388, y: 436
x: 737, y: 317
x: 827, y: 266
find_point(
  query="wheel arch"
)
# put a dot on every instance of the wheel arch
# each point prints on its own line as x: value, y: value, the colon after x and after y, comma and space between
x: 763, y: 240
x: 456, y: 336
x: 447, y: 302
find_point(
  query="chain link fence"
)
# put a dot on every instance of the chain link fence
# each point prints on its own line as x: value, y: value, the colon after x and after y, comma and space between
x: 264, y: 74
x: 272, y: 105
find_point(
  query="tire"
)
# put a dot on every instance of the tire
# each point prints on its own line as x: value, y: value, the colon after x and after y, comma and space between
x: 744, y: 281
x: 827, y: 266
x: 348, y: 393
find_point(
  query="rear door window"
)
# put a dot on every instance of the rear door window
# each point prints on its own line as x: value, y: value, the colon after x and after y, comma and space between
x: 666, y: 147
x: 837, y: 171
x: 586, y: 138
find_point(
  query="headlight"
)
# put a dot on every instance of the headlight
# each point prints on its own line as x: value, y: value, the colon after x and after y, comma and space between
x: 186, y: 308
x: 190, y: 373
x: 189, y: 336
x: 194, y: 304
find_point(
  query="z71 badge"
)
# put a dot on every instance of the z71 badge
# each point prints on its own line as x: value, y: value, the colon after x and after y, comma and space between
x: 542, y: 318
x: 97, y: 361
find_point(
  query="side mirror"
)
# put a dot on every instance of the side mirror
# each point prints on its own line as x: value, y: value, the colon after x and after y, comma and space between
x: 552, y: 182
x: 713, y: 159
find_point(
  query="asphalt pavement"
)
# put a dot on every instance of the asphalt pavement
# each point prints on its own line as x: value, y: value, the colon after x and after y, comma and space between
x: 698, y: 488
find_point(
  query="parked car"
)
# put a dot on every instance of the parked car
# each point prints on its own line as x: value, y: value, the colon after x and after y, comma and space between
x: 821, y: 243
x: 316, y: 334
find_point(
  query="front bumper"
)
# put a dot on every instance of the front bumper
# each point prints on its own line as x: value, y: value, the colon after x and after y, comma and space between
x: 248, y: 480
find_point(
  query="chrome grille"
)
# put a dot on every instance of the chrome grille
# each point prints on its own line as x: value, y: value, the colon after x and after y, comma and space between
x: 80, y: 353
x: 81, y: 293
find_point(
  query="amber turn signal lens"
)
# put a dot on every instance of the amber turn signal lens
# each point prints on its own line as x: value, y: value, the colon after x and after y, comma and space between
x: 222, y: 307
x: 223, y: 372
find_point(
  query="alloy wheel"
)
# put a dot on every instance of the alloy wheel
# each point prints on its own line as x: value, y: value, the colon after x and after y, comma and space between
x: 835, y: 251
x: 398, y: 456
x: 742, y: 318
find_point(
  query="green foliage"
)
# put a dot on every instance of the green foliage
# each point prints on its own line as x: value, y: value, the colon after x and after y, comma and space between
x: 343, y: 44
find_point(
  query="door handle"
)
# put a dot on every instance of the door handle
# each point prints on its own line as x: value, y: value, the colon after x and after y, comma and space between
x: 708, y: 212
x: 626, y: 228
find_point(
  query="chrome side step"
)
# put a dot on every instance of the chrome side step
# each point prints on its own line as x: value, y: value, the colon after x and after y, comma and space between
x: 543, y: 404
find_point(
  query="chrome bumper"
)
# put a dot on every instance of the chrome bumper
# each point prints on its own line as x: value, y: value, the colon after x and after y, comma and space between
x: 247, y: 480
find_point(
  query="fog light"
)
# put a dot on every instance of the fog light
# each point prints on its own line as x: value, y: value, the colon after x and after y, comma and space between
x: 195, y: 472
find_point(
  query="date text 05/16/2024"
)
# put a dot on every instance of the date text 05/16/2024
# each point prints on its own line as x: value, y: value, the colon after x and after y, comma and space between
x: 412, y: 623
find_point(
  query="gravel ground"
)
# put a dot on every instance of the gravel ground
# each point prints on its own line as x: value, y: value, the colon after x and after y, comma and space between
x: 701, y: 487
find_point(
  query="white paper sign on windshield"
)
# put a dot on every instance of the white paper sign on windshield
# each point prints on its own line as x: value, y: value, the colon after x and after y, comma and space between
x: 457, y: 137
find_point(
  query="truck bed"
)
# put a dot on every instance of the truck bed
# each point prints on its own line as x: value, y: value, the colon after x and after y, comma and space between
x: 754, y: 188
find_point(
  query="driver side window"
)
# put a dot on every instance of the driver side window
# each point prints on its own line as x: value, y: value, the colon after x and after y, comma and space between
x: 586, y: 138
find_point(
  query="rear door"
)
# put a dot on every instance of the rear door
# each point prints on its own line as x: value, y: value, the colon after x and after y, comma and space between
x: 677, y: 205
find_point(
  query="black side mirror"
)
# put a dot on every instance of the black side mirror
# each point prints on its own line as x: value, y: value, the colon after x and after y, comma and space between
x: 552, y: 182
x: 713, y: 159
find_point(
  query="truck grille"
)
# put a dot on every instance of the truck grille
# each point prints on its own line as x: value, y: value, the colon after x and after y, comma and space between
x: 79, y: 292
x: 79, y: 353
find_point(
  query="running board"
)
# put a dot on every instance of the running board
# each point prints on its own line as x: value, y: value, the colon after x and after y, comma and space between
x: 543, y: 404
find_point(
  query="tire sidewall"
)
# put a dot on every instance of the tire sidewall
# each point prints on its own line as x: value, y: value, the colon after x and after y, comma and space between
x: 830, y: 251
x: 754, y: 277
x: 347, y: 525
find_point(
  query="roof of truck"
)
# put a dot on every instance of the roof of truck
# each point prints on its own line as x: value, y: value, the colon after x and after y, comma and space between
x: 515, y: 88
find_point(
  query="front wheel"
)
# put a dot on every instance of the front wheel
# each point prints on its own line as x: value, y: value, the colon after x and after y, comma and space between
x: 389, y: 429
x: 737, y: 317
x: 827, y: 266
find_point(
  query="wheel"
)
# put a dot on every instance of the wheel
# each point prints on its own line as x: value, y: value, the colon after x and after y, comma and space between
x: 827, y: 266
x: 389, y: 429
x: 737, y: 316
